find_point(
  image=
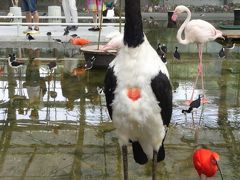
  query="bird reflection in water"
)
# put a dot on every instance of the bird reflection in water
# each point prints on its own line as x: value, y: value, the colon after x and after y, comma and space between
x: 1, y: 71
x: 73, y: 87
x: 80, y: 71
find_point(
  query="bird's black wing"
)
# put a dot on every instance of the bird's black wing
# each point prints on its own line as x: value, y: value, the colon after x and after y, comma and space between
x: 109, y: 88
x: 162, y: 89
x: 15, y: 63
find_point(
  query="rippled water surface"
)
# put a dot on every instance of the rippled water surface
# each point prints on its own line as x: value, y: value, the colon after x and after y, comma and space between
x: 55, y: 125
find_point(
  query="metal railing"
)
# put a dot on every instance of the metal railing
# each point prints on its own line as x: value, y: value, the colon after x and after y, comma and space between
x: 19, y: 24
x: 58, y: 17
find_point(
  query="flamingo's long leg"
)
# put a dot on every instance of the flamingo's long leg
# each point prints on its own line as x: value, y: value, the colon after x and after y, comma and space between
x: 188, y: 102
x: 198, y: 73
x: 200, y: 70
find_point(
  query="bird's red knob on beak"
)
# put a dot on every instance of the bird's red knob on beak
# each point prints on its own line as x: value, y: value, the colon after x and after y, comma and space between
x: 134, y: 93
x: 205, y: 162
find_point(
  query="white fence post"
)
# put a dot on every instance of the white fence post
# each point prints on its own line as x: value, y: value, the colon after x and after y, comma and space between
x: 16, y: 11
x: 54, y: 11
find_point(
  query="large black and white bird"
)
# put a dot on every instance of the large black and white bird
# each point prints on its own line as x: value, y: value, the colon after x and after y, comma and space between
x: 13, y: 63
x: 138, y: 93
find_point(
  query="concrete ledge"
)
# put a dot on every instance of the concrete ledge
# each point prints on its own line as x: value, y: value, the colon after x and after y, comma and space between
x: 13, y: 36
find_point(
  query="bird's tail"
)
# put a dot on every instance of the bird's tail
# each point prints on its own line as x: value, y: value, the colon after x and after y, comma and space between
x: 161, y: 153
x: 139, y: 155
x: 141, y: 158
x: 187, y: 111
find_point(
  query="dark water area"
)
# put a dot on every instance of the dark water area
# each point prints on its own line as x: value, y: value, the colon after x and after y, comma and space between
x: 55, y: 125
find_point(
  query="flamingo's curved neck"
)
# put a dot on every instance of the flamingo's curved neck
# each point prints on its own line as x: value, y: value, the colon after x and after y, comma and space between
x: 180, y: 31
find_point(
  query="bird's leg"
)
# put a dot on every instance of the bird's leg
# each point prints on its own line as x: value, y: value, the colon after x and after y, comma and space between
x: 154, y: 165
x: 200, y: 72
x: 193, y: 120
x: 125, y: 162
x: 188, y: 102
x: 199, y: 59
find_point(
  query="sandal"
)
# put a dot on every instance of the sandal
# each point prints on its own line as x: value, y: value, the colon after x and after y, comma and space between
x: 29, y: 29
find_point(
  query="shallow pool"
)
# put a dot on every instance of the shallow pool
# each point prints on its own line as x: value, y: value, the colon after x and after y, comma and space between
x: 55, y: 125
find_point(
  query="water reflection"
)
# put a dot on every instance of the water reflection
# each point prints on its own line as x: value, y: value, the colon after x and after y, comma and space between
x: 54, y: 124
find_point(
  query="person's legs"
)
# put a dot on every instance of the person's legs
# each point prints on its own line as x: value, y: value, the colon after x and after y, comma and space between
x: 92, y: 7
x: 31, y: 4
x: 94, y: 13
x: 74, y: 13
x: 36, y: 20
x: 29, y: 19
x: 97, y: 10
x: 73, y: 10
x: 66, y: 9
x: 27, y: 13
x: 100, y: 16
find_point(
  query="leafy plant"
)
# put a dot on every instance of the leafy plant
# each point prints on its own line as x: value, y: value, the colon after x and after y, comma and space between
x: 155, y: 1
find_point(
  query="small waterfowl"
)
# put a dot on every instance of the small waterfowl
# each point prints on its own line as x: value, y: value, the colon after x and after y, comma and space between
x: 193, y: 105
x: 30, y: 37
x: 176, y: 54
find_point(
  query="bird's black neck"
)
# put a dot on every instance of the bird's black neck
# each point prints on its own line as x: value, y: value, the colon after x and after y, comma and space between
x: 133, y: 30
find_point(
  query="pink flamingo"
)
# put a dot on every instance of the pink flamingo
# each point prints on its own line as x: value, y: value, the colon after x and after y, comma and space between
x: 195, y: 31
x: 115, y: 42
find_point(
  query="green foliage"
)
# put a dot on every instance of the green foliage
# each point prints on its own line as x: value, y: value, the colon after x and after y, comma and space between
x: 155, y: 1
